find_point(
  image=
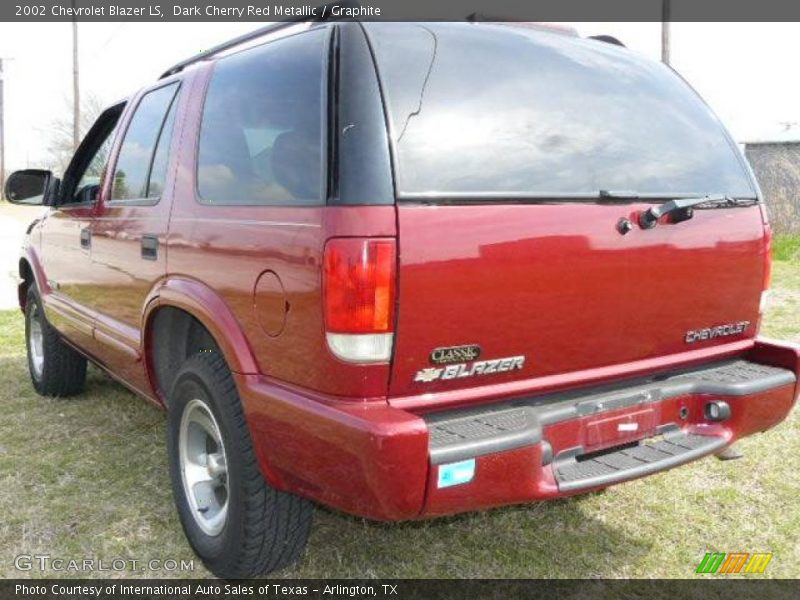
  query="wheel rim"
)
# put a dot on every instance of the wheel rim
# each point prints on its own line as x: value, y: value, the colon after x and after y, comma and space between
x: 36, y: 341
x: 204, y: 467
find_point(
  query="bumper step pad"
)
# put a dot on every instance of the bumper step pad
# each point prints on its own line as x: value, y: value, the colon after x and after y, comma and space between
x: 649, y: 456
x: 481, y: 433
x: 467, y: 433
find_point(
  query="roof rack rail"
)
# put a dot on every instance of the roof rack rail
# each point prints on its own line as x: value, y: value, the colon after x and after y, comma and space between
x: 478, y: 17
x: 326, y: 14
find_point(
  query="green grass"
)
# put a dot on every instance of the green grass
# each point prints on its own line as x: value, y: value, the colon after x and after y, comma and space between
x: 87, y: 477
x: 786, y: 247
x: 783, y: 306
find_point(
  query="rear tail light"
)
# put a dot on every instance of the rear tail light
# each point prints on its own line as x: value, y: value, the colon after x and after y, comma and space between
x: 767, y: 269
x: 359, y: 297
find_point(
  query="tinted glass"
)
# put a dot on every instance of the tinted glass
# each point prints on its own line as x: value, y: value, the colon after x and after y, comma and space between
x: 148, y: 129
x: 492, y: 109
x: 261, y: 138
x: 158, y: 172
x: 97, y: 166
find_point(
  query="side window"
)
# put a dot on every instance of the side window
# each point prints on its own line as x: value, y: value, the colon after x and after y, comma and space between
x: 93, y: 174
x: 142, y: 164
x: 261, y: 138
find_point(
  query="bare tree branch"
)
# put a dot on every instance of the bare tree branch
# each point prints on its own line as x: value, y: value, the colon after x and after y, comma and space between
x: 59, y: 146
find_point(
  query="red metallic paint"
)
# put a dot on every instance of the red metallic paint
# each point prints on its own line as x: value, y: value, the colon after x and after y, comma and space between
x: 504, y: 478
x: 65, y: 266
x: 364, y: 458
x: 206, y: 305
x: 31, y: 258
x: 558, y: 284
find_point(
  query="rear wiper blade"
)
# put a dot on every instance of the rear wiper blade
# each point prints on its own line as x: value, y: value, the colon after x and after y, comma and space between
x: 682, y: 206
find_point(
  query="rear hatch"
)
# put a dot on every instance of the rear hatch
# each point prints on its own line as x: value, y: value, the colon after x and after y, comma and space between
x: 517, y: 153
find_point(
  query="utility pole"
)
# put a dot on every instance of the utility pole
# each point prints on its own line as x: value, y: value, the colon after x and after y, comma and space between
x: 76, y: 94
x: 665, y: 17
x: 2, y: 138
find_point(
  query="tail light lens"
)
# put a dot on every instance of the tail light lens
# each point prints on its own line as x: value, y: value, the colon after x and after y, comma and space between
x: 359, y: 298
x: 767, y: 257
x: 767, y: 268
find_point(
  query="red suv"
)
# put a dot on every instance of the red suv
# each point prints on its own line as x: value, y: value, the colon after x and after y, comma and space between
x: 407, y: 270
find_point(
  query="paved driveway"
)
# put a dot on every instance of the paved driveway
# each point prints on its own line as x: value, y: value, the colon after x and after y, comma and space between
x: 13, y: 222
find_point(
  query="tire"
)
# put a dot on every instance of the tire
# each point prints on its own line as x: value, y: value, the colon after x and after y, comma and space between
x: 237, y: 523
x: 55, y: 368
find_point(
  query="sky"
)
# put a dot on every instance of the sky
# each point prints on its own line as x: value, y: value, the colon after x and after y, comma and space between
x: 745, y: 71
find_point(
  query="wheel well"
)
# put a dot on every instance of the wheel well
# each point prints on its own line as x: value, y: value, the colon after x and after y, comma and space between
x: 26, y: 274
x: 174, y: 336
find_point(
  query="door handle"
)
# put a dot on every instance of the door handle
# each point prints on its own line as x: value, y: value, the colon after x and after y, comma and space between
x: 150, y: 247
x: 86, y: 238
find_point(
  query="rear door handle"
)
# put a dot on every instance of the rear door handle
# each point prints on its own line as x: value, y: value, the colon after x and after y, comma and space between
x: 150, y: 247
x: 86, y: 238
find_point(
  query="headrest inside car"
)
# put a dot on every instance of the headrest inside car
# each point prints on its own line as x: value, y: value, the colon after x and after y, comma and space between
x: 295, y: 159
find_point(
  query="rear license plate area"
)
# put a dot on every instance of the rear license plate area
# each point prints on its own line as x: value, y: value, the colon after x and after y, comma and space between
x: 620, y: 429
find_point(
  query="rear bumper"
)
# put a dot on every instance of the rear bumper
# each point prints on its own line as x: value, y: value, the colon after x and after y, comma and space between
x: 381, y: 462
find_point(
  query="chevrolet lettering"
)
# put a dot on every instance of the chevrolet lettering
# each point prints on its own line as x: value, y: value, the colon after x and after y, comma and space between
x: 710, y: 333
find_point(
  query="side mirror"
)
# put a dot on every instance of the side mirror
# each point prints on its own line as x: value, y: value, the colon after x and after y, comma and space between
x: 31, y: 187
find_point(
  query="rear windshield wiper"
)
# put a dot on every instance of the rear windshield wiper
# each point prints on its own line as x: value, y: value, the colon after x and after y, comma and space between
x: 681, y: 208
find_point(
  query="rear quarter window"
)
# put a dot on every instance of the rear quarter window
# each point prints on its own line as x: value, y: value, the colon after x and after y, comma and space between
x: 493, y: 110
x: 261, y: 137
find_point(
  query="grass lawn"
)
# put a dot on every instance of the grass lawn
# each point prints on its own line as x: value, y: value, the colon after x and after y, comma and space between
x: 87, y: 477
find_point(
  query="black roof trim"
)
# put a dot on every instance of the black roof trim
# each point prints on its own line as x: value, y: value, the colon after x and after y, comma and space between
x: 325, y: 15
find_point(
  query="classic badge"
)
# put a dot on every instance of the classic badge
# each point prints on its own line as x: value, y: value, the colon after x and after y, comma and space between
x: 455, y: 354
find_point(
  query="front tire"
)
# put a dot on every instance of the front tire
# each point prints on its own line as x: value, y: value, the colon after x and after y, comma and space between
x: 234, y: 520
x: 56, y: 369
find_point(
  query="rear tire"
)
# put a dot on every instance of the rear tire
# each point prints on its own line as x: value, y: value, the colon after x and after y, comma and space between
x: 56, y: 369
x: 237, y: 523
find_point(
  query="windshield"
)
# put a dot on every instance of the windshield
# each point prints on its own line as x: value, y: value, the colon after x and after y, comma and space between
x: 492, y: 110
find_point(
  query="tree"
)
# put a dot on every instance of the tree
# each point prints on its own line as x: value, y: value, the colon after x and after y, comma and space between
x: 60, y: 145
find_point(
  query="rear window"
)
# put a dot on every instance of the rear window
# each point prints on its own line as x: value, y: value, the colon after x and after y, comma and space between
x: 491, y: 109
